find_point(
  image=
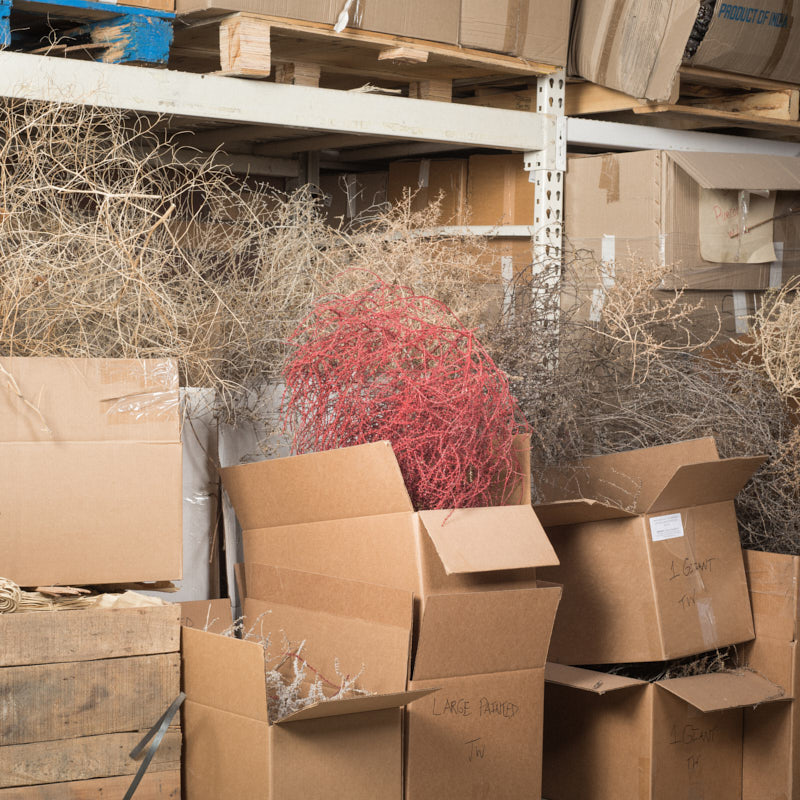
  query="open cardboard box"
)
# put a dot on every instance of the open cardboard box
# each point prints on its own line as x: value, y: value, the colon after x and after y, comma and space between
x: 90, y: 471
x: 683, y: 210
x: 481, y: 623
x: 651, y: 561
x: 484, y: 726
x: 609, y: 736
x: 637, y: 48
x: 772, y: 732
x: 343, y: 748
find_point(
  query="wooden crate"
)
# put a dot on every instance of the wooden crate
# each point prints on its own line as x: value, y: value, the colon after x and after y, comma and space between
x: 78, y: 690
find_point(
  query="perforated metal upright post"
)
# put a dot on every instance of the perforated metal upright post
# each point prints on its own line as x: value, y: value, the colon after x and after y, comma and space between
x: 546, y: 168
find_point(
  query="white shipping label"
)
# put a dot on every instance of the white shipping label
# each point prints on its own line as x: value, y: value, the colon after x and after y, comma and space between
x: 667, y: 526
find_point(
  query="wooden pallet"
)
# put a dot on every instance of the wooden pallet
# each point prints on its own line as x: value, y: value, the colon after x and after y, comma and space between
x: 119, y: 34
x: 313, y: 54
x: 701, y: 100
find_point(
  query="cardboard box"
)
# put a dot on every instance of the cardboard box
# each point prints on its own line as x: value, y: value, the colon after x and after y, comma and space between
x: 81, y: 687
x: 419, y: 19
x: 532, y: 29
x: 346, y: 197
x: 638, y: 48
x: 428, y: 180
x: 651, y: 561
x: 772, y: 732
x: 90, y: 471
x: 484, y: 726
x: 682, y: 210
x: 499, y: 192
x: 345, y: 748
x: 481, y: 621
x: 609, y: 737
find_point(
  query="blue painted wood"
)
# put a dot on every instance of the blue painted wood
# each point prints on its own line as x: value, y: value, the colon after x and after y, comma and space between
x: 30, y: 5
x: 5, y: 23
x: 129, y: 34
x: 132, y: 39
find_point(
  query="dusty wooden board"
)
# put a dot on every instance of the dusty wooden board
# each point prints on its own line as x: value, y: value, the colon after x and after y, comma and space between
x: 60, y: 701
x: 49, y: 637
x: 83, y: 758
x: 154, y: 786
x: 197, y: 48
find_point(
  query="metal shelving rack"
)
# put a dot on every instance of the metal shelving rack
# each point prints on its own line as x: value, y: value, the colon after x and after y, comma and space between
x: 352, y: 129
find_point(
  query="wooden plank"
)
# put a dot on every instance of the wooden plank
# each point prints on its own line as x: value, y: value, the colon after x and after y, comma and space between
x: 781, y: 104
x: 713, y: 77
x: 432, y: 90
x: 82, y: 758
x: 350, y: 52
x: 155, y: 786
x: 59, y: 701
x: 244, y: 46
x: 710, y: 118
x: 404, y: 55
x: 49, y: 637
x: 298, y: 73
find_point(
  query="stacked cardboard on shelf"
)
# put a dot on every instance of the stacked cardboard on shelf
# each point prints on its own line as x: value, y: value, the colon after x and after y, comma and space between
x: 80, y: 689
x: 481, y: 621
x: 652, y: 570
x: 772, y: 732
x: 638, y: 48
x: 724, y: 224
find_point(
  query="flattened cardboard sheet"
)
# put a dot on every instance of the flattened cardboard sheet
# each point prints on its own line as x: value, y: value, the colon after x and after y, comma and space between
x: 732, y: 171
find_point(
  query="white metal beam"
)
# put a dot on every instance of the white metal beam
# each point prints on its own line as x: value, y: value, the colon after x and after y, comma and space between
x: 624, y: 136
x: 239, y: 101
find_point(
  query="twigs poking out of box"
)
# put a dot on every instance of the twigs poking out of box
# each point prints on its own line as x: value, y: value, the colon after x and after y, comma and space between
x: 384, y: 363
x: 292, y: 682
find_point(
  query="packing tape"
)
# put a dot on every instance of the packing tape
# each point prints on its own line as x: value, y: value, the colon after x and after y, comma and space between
x: 141, y: 406
x: 740, y: 314
x: 609, y: 178
x: 608, y: 253
x: 516, y: 27
x: 776, y: 267
x: 509, y: 193
x: 609, y: 39
x: 507, y: 276
x: 351, y: 191
x: 424, y: 176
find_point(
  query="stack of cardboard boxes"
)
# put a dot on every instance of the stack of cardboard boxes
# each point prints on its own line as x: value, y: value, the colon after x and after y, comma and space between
x: 652, y: 570
x: 441, y: 609
x: 90, y: 491
x: 725, y: 224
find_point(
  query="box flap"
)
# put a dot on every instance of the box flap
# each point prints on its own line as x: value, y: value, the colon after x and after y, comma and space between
x: 482, y: 632
x: 731, y: 171
x: 631, y: 479
x: 335, y: 484
x: 587, y: 680
x: 574, y: 512
x: 703, y: 484
x: 224, y: 673
x: 355, y: 705
x: 721, y: 690
x: 485, y: 539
